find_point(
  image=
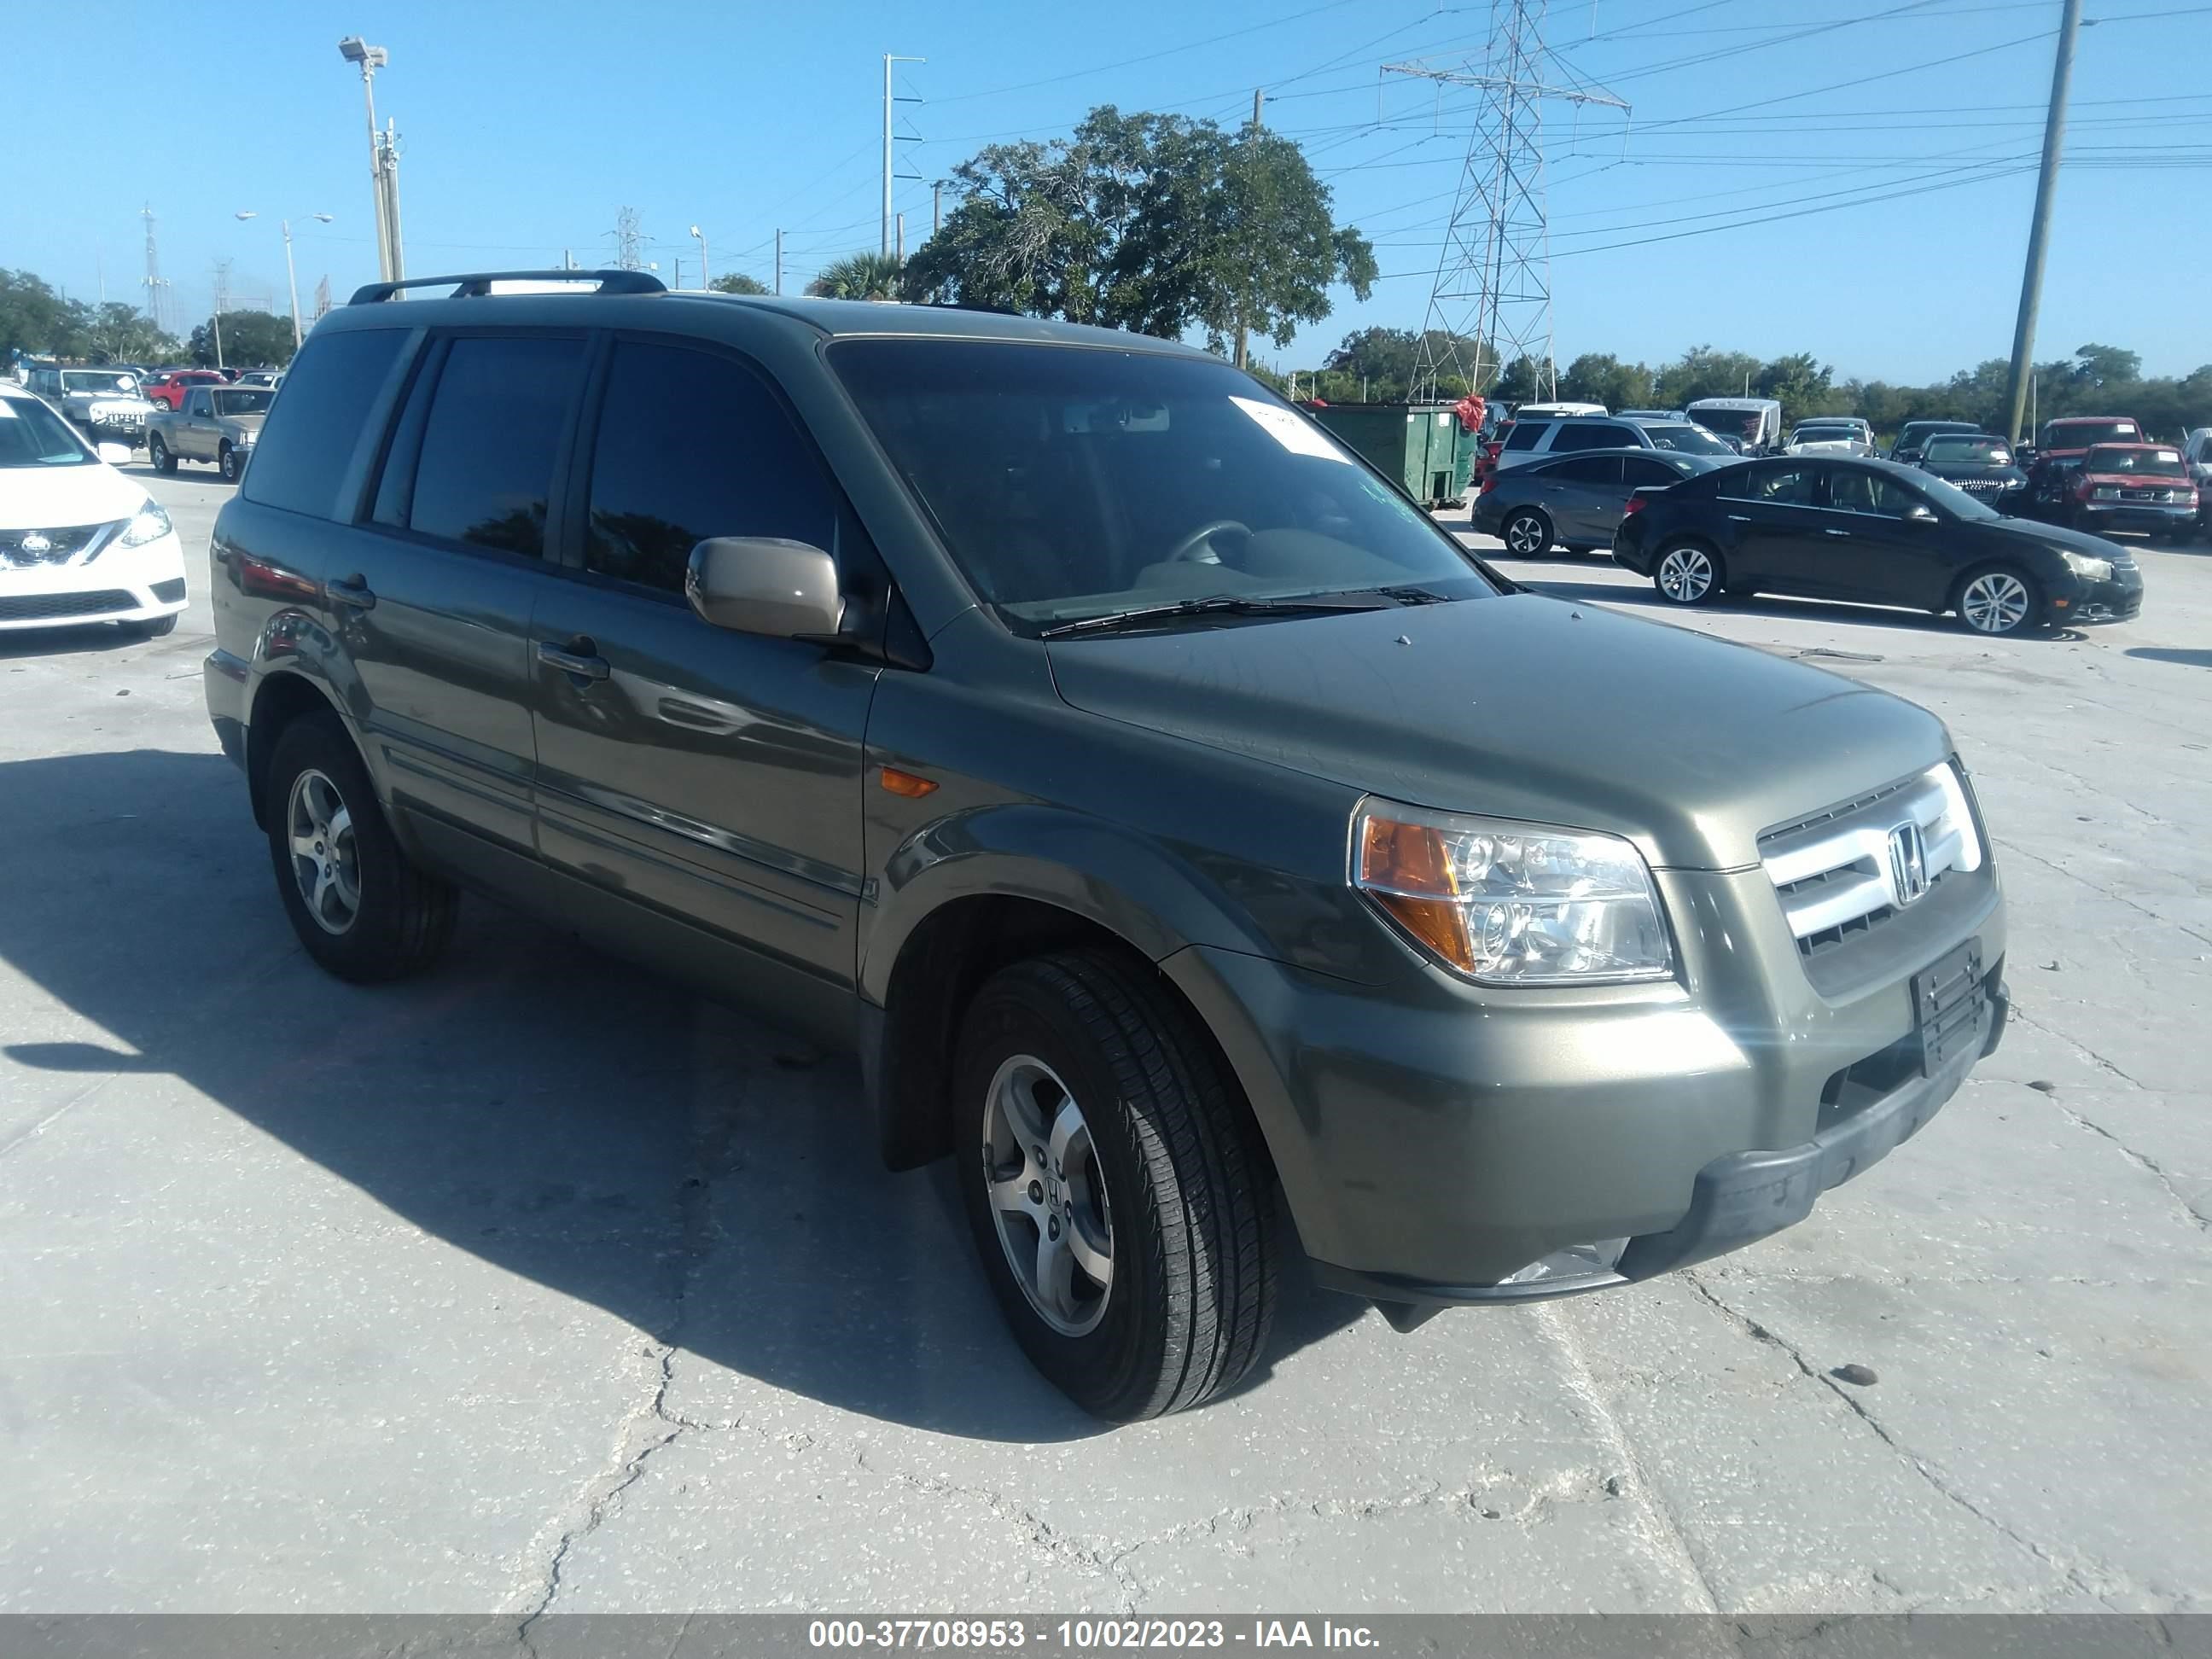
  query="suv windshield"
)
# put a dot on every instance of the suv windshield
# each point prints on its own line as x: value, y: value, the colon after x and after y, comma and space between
x: 1686, y: 440
x: 1965, y: 449
x: 2158, y: 462
x: 97, y: 379
x: 1071, y: 481
x: 243, y: 400
x: 31, y: 435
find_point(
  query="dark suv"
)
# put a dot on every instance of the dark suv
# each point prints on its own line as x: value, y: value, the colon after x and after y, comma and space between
x: 1193, y: 839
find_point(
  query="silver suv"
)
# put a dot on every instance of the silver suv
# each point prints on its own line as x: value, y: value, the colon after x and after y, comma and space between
x: 1562, y: 435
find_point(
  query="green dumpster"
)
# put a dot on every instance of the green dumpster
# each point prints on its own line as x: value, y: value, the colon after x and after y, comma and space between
x: 1418, y: 445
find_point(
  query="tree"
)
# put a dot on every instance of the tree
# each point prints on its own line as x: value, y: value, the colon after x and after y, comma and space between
x: 1597, y: 378
x: 118, y: 333
x: 1702, y: 371
x: 1803, y: 385
x: 33, y: 318
x: 858, y: 276
x: 736, y: 282
x: 1156, y: 223
x: 248, y: 338
x: 1523, y: 382
x: 2103, y: 365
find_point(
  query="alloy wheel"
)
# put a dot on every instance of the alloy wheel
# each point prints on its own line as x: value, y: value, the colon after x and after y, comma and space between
x: 1525, y: 537
x: 1686, y: 574
x: 1995, y: 602
x: 1047, y: 1195
x: 325, y: 862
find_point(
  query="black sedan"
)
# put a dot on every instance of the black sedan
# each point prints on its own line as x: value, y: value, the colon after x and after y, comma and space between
x: 1979, y: 463
x: 1574, y: 501
x: 1875, y: 533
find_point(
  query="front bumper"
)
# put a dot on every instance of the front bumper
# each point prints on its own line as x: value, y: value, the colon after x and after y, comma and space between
x: 123, y: 584
x: 2147, y: 517
x: 1440, y: 1144
x: 2117, y: 597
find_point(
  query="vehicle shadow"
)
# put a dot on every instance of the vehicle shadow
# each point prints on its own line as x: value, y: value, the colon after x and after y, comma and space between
x: 2163, y: 654
x: 1641, y: 597
x: 555, y: 1111
x: 64, y: 641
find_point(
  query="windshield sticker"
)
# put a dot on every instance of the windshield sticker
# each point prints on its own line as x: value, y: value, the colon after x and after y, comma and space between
x: 1288, y: 430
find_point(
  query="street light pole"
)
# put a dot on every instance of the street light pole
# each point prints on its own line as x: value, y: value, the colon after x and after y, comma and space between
x: 706, y: 279
x: 291, y: 271
x: 354, y: 50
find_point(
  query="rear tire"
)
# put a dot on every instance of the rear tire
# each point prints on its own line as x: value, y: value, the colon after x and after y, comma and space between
x: 158, y: 454
x: 1158, y: 1180
x: 1527, y: 533
x: 360, y: 906
x: 1688, y: 572
x: 228, y: 464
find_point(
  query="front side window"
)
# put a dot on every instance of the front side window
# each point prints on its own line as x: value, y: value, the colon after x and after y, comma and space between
x: 496, y: 421
x: 1773, y: 484
x: 32, y: 434
x: 1072, y: 483
x: 1852, y: 492
x: 690, y: 446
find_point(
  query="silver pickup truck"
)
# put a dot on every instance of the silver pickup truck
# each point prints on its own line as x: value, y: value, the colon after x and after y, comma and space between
x: 217, y: 423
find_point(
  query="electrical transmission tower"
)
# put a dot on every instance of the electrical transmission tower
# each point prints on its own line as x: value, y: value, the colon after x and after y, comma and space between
x: 1492, y: 293
x: 629, y: 241
x: 154, y: 281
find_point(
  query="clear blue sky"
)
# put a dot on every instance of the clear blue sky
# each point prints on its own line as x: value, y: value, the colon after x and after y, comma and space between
x: 525, y: 127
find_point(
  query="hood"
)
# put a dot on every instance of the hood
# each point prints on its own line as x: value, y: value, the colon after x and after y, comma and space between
x: 1522, y: 707
x: 2133, y: 480
x: 48, y: 497
x: 2058, y: 538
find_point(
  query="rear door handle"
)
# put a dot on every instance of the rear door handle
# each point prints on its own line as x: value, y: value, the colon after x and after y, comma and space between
x: 1827, y: 530
x: 1739, y: 518
x: 579, y: 657
x: 351, y: 590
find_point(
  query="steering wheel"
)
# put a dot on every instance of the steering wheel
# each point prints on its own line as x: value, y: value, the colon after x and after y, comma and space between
x: 1188, y: 550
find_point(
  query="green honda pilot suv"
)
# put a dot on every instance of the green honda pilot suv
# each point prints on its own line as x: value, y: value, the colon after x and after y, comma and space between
x: 1194, y: 841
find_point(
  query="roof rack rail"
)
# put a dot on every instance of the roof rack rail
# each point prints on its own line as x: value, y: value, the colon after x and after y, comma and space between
x: 476, y: 284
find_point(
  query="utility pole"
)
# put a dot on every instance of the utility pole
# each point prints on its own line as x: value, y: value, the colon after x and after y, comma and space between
x: 1259, y: 102
x: 389, y: 159
x: 936, y: 207
x: 370, y: 59
x: 1494, y: 281
x: 155, y: 283
x: 779, y: 259
x: 705, y: 281
x: 222, y: 294
x: 2039, y: 230
x: 889, y: 165
x: 902, y: 239
x: 627, y: 240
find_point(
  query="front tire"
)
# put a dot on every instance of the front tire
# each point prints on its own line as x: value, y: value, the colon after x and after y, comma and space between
x: 1689, y: 574
x: 1526, y: 534
x: 1999, y: 601
x: 1119, y: 1191
x: 158, y: 454
x: 360, y: 906
x: 154, y: 628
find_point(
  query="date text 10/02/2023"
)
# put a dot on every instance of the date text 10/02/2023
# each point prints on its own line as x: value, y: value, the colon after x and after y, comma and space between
x: 987, y: 1635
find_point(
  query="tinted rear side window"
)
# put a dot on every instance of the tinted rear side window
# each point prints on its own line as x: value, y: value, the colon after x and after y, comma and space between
x: 489, y: 445
x: 1525, y: 435
x: 301, y: 458
x: 691, y: 445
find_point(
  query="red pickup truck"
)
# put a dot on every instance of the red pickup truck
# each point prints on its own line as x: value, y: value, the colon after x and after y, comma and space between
x: 170, y: 388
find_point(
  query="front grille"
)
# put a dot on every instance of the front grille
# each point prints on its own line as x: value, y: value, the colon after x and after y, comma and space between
x: 1985, y: 484
x: 1838, y: 873
x: 54, y: 607
x: 26, y: 548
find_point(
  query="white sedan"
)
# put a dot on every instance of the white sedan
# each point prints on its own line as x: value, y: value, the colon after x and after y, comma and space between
x: 79, y: 542
x: 1851, y: 439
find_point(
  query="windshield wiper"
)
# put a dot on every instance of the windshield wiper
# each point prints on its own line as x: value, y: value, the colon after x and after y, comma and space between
x: 1217, y: 604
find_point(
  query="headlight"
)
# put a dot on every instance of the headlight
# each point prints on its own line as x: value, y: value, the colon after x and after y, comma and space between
x: 151, y: 525
x: 2105, y: 493
x: 2082, y: 565
x: 1510, y: 903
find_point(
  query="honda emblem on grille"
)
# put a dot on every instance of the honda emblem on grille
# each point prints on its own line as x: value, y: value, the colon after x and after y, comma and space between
x: 1908, y: 863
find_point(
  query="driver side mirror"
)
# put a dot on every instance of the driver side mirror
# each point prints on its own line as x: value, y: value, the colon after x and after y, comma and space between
x: 114, y: 454
x: 1920, y: 514
x: 764, y: 585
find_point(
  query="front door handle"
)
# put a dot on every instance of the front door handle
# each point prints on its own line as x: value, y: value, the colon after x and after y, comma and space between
x: 579, y: 657
x: 351, y: 590
x: 1830, y: 531
x: 1739, y: 518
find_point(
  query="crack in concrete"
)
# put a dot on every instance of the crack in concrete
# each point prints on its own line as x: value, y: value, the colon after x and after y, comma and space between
x: 1666, y: 1535
x: 2080, y: 1048
x: 2014, y: 847
x: 2141, y: 1161
x: 1920, y: 1466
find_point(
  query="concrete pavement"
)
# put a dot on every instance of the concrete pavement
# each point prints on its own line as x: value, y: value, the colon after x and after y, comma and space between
x: 538, y: 1283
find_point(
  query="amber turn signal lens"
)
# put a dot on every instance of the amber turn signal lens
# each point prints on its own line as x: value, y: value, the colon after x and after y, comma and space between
x: 1407, y: 870
x: 906, y: 783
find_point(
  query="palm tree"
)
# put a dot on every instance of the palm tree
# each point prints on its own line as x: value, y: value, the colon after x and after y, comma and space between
x: 858, y: 276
